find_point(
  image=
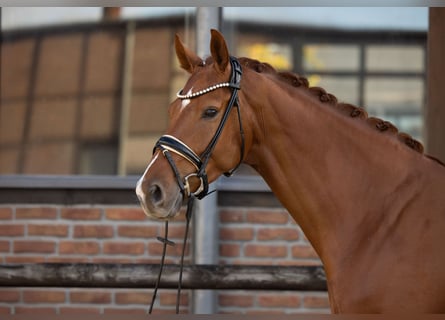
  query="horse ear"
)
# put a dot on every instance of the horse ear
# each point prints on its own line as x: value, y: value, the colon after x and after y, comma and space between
x: 219, y: 51
x: 188, y: 60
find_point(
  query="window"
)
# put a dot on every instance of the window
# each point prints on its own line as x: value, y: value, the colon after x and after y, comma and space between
x: 331, y: 57
x: 63, y: 109
x: 387, y: 79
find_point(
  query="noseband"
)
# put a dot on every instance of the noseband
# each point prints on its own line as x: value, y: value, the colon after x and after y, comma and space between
x: 168, y: 143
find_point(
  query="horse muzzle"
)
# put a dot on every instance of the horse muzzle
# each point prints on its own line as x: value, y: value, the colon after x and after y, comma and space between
x: 157, y: 202
x: 159, y: 198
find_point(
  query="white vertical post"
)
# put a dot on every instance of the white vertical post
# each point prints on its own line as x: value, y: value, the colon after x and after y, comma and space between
x: 205, y: 216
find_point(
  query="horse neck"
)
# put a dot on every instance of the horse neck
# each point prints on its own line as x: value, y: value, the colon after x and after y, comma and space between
x: 331, y: 172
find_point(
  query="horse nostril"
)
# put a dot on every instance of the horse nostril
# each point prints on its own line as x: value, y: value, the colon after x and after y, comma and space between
x: 155, y: 194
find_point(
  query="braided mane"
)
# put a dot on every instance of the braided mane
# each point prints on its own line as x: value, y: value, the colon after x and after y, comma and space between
x: 348, y: 110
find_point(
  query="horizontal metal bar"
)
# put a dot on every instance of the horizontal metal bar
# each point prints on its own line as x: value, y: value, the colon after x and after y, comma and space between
x: 217, y: 277
x: 235, y: 183
x: 67, y: 182
x: 366, y: 74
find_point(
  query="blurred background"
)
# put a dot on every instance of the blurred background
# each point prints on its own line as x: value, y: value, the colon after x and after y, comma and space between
x: 84, y: 96
x: 85, y: 91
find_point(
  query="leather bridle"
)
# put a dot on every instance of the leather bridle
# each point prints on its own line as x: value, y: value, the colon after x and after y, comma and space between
x: 168, y: 143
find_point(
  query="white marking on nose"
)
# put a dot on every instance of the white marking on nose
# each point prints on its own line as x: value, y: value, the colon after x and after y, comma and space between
x: 139, y: 191
x: 186, y: 102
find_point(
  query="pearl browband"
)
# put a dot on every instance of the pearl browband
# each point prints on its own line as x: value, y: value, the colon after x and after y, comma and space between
x: 201, y: 92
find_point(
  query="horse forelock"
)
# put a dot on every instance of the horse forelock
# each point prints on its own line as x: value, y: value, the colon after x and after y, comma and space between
x: 347, y: 109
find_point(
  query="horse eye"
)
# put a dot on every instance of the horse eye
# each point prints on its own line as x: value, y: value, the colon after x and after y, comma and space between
x: 209, y: 113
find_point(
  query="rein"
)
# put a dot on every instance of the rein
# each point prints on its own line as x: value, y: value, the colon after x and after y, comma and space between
x: 166, y: 242
x: 168, y: 144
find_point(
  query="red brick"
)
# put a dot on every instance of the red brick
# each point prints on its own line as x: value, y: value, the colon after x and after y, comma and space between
x: 264, y: 312
x: 4, y: 246
x: 290, y: 300
x: 12, y: 230
x: 25, y: 246
x: 43, y: 296
x: 48, y: 230
x: 155, y: 249
x: 93, y: 231
x: 79, y: 310
x: 133, y: 297
x: 132, y: 248
x: 25, y: 259
x: 169, y: 299
x: 36, y: 213
x: 254, y: 250
x: 81, y: 213
x: 235, y: 300
x: 88, y: 296
x: 35, y: 310
x: 126, y: 311
x: 120, y: 260
x: 316, y: 302
x: 268, y: 216
x: 130, y: 214
x: 240, y: 234
x: 9, y: 295
x: 270, y: 234
x: 5, y: 310
x: 175, y: 231
x: 304, y: 252
x: 79, y: 247
x: 233, y: 215
x: 140, y: 231
x: 67, y: 259
x: 5, y: 213
x: 229, y: 250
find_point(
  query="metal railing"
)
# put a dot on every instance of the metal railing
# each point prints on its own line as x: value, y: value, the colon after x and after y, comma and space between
x: 217, y: 277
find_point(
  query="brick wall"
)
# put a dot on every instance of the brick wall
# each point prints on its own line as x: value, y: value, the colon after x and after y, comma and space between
x: 122, y: 234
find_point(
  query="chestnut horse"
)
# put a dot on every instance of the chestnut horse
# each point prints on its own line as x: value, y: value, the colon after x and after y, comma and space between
x: 369, y: 201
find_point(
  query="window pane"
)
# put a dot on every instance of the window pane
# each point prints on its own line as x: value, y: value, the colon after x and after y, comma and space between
x: 277, y: 55
x: 398, y: 100
x: 98, y: 159
x: 393, y: 93
x: 62, y: 105
x: 328, y: 57
x: 395, y: 58
x: 346, y: 89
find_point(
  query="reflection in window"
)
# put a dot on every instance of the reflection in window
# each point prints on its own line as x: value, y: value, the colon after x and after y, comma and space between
x: 277, y: 55
x: 393, y: 93
x: 345, y: 89
x: 397, y: 99
x: 330, y: 57
x: 394, y: 58
x: 98, y: 159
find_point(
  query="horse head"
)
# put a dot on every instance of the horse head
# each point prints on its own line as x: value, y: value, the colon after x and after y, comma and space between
x: 204, y: 138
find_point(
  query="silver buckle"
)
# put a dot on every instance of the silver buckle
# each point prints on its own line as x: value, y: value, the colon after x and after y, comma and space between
x: 187, y: 185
